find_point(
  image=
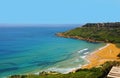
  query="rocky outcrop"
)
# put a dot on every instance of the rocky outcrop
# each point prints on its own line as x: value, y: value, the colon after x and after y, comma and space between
x: 76, y: 37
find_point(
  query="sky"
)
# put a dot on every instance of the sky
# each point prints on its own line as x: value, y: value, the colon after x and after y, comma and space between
x: 58, y: 11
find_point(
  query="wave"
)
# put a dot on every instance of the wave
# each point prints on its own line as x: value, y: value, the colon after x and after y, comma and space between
x: 83, y: 50
x: 62, y: 70
x: 86, y: 53
x: 83, y: 57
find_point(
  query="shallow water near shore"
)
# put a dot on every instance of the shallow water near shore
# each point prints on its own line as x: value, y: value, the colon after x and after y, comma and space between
x: 35, y: 49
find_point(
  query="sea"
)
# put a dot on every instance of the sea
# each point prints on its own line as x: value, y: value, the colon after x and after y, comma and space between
x: 33, y: 49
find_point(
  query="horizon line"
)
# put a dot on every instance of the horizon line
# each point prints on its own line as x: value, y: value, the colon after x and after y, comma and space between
x: 37, y: 25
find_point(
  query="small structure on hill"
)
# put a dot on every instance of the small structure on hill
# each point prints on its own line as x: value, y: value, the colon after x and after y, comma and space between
x: 103, y: 25
x: 114, y: 72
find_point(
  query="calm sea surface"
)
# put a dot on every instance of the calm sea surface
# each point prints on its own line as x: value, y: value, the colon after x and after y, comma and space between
x: 34, y: 49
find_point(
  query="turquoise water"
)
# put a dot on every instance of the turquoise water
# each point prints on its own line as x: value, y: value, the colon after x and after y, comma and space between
x: 34, y: 49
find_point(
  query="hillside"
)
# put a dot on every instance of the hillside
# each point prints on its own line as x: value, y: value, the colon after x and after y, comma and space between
x: 95, y: 32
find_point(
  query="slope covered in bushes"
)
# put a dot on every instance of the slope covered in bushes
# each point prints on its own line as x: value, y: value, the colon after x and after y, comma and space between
x: 95, y: 33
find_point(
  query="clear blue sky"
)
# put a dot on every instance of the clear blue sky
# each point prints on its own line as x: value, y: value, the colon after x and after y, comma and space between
x: 58, y: 11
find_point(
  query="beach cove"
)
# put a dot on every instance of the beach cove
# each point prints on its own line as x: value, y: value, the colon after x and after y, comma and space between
x: 98, y: 32
x: 89, y: 50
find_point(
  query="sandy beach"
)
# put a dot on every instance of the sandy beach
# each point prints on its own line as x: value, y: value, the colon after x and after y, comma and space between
x: 106, y: 53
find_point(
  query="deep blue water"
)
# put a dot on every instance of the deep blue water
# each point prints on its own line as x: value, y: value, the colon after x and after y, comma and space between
x: 34, y: 49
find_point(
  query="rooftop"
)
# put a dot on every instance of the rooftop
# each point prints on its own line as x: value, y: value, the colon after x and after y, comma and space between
x: 114, y: 72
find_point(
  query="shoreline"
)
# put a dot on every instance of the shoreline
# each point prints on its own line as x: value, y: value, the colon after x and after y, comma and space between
x: 93, y: 62
x: 80, y: 67
x: 87, y: 59
x: 89, y: 55
x: 106, y: 53
x: 94, y: 59
x: 77, y: 37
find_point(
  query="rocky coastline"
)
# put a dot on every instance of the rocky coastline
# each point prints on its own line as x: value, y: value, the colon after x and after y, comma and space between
x: 77, y: 37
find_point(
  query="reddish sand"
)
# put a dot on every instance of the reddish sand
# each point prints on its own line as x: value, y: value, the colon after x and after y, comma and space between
x: 107, y: 53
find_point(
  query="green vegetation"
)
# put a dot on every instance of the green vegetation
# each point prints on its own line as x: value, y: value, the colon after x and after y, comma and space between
x: 118, y: 45
x: 106, y: 32
x: 98, y: 72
